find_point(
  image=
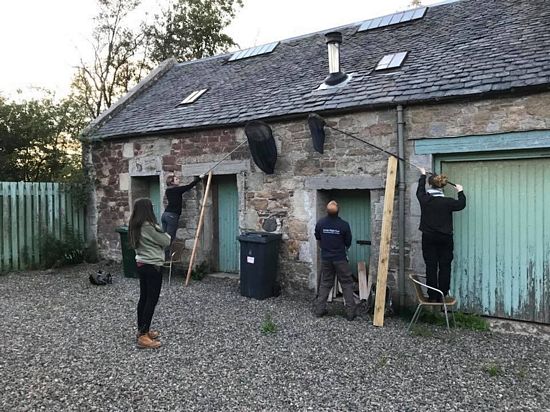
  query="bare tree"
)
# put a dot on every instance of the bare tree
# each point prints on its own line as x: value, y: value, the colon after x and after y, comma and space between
x: 122, y: 56
x: 113, y: 68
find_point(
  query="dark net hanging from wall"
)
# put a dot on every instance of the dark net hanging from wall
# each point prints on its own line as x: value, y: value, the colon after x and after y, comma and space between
x: 262, y: 145
x: 317, y: 128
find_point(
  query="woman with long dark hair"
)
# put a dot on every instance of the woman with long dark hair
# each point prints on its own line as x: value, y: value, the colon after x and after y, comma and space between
x: 149, y: 241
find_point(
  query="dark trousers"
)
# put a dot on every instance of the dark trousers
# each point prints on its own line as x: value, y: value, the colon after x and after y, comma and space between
x: 150, y: 283
x: 169, y: 222
x: 342, y: 271
x: 437, y: 250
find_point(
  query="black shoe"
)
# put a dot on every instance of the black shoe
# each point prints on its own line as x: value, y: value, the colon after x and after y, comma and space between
x: 351, y: 312
x: 319, y: 311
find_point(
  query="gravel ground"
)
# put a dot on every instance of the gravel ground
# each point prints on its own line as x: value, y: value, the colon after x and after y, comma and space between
x: 68, y: 345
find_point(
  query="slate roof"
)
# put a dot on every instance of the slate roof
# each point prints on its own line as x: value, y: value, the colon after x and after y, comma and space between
x: 465, y: 48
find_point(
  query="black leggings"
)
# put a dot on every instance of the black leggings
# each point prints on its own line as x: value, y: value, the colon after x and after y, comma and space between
x: 438, y: 255
x: 150, y: 283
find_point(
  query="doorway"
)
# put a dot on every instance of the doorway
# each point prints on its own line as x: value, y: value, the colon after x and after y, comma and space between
x: 147, y: 186
x: 502, y: 237
x: 354, y: 209
x: 227, y: 223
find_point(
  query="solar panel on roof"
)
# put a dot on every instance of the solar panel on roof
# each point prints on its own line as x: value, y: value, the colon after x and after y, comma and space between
x: 193, y: 97
x: 396, y: 18
x: 391, y: 61
x: 392, y: 19
x: 374, y: 23
x: 254, y: 51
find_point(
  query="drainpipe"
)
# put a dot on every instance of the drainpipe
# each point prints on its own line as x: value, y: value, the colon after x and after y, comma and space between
x: 401, y: 204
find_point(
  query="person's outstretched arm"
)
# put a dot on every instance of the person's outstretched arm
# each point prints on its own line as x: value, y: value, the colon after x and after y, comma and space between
x: 460, y: 203
x: 182, y: 189
x: 421, y: 194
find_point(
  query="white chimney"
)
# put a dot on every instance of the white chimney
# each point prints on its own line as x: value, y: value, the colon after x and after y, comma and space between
x: 336, y: 76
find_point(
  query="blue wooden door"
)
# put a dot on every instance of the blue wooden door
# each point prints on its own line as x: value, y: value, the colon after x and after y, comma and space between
x: 154, y: 195
x: 355, y: 209
x: 502, y: 238
x: 228, y: 225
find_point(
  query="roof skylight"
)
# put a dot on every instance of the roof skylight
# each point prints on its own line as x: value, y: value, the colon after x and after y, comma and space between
x: 193, y: 97
x: 391, y: 19
x: 253, y: 51
x: 391, y: 61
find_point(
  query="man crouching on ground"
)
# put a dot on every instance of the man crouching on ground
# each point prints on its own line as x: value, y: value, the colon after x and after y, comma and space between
x: 334, y: 237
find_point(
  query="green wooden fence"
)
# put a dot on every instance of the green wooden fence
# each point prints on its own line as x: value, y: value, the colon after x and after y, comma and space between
x: 30, y: 210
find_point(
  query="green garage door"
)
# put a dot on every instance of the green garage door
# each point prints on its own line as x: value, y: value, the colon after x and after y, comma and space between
x: 355, y: 209
x: 502, y: 238
x: 228, y: 224
x: 154, y: 195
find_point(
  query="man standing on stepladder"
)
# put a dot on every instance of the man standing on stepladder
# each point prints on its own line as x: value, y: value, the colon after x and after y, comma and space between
x: 334, y: 237
x: 436, y: 225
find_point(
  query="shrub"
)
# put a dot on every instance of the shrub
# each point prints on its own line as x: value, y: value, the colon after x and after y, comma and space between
x: 56, y: 252
x: 268, y: 326
x: 493, y: 369
x: 200, y: 271
x: 463, y: 320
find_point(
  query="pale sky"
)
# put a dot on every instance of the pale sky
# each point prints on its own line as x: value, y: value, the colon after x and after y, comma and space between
x: 42, y: 40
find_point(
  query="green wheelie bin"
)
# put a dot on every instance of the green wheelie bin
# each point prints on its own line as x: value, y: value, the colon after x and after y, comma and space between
x: 128, y: 255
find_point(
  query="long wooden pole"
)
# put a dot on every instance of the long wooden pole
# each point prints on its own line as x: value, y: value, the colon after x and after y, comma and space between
x: 199, y: 227
x: 385, y: 243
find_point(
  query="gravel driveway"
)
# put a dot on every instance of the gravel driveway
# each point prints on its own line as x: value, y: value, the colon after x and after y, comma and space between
x: 68, y: 345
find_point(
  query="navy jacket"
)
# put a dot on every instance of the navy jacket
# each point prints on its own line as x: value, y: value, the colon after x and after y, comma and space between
x: 334, y: 234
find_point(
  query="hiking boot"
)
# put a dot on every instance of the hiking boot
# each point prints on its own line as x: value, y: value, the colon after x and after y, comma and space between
x: 351, y: 312
x: 145, y: 342
x: 153, y: 334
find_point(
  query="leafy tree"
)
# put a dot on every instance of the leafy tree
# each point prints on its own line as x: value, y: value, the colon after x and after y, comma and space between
x: 191, y: 29
x: 38, y: 139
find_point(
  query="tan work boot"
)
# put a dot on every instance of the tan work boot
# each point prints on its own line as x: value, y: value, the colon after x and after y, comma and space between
x: 145, y: 342
x: 153, y: 334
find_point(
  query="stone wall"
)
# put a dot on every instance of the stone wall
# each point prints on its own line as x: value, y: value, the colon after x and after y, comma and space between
x: 291, y: 196
x: 510, y: 114
x: 285, y: 196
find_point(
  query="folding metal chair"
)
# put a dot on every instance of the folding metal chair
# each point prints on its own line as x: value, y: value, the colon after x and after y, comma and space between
x: 176, y: 255
x: 423, y: 301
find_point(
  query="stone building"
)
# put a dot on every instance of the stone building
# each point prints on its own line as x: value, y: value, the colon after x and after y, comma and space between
x: 463, y: 86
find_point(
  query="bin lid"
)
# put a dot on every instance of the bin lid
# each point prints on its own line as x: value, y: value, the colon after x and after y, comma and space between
x: 122, y: 229
x: 259, y: 237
